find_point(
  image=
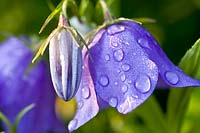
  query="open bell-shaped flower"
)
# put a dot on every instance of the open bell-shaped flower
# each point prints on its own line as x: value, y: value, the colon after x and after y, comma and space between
x: 123, y: 68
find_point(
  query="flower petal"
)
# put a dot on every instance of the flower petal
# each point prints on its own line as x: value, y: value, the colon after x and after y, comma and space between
x: 86, y: 99
x: 13, y: 50
x: 169, y: 74
x: 18, y: 90
x: 123, y: 75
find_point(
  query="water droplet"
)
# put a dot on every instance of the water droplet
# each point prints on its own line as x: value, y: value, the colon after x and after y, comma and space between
x: 114, y: 29
x: 123, y: 77
x: 72, y: 124
x: 129, y: 81
x: 107, y: 57
x: 85, y: 92
x: 113, y: 102
x: 104, y: 81
x: 80, y: 104
x: 127, y: 105
x: 143, y: 83
x: 135, y: 96
x: 125, y: 67
x: 143, y: 42
x: 118, y: 55
x: 124, y: 88
x: 114, y: 44
x: 172, y: 77
x: 118, y: 71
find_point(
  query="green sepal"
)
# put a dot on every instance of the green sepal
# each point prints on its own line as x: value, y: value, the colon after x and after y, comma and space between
x: 74, y: 33
x: 144, y: 20
x: 52, y: 15
x: 77, y: 37
x: 90, y: 36
x: 45, y: 44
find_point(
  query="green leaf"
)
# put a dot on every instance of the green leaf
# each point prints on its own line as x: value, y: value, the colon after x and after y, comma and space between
x: 179, y: 98
x: 191, y: 61
x: 152, y: 115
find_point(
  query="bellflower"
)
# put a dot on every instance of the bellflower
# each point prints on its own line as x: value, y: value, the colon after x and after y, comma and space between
x: 124, y: 66
x: 20, y: 88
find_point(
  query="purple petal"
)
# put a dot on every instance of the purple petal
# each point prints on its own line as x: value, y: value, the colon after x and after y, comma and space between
x: 169, y: 74
x: 86, y: 100
x: 18, y: 90
x: 42, y: 118
x: 123, y: 75
x: 13, y: 50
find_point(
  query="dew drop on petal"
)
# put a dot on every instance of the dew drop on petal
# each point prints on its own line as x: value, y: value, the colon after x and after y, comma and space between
x: 143, y: 83
x: 118, y: 71
x: 123, y: 77
x: 114, y: 44
x: 127, y: 105
x: 125, y: 67
x: 104, y: 81
x: 172, y: 77
x: 113, y: 102
x: 85, y: 92
x: 114, y: 29
x: 80, y: 104
x: 143, y: 42
x: 135, y: 96
x: 118, y: 55
x: 72, y: 124
x: 124, y: 88
x: 129, y: 81
x: 107, y: 57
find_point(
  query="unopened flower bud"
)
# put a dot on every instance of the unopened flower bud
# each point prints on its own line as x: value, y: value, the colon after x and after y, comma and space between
x: 65, y: 61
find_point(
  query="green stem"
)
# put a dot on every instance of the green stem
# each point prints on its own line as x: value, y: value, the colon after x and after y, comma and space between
x: 6, y: 121
x: 20, y: 115
x: 106, y: 11
x: 64, y: 8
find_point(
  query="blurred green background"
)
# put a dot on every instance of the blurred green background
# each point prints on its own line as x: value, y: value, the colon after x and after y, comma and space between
x: 177, y: 28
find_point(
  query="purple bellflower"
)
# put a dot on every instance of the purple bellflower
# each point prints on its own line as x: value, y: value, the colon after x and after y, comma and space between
x: 124, y: 66
x: 19, y: 89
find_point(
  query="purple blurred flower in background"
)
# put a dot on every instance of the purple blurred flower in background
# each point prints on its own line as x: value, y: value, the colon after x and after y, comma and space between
x: 124, y: 65
x: 19, y: 89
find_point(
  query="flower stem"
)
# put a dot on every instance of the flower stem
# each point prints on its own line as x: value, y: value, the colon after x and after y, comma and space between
x: 64, y: 8
x: 106, y: 11
x: 6, y: 121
